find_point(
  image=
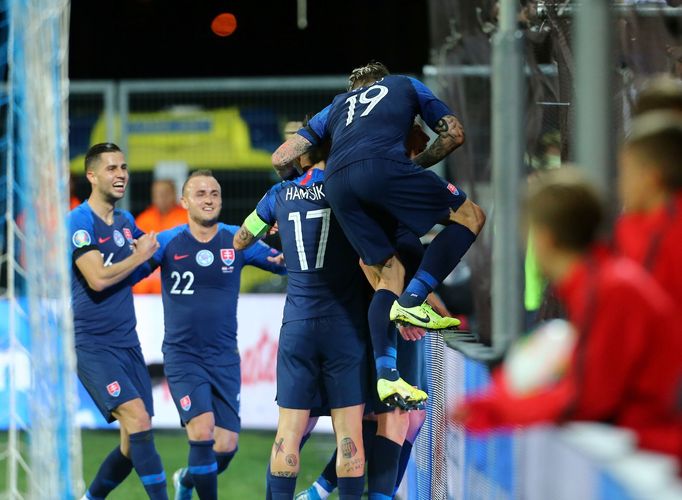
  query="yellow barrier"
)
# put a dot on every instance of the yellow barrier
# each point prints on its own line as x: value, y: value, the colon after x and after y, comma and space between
x: 217, y: 139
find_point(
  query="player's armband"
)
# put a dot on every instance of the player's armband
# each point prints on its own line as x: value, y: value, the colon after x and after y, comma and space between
x: 255, y: 225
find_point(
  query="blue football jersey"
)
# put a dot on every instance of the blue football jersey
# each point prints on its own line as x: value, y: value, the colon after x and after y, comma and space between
x: 324, y: 276
x: 374, y: 121
x: 200, y: 287
x: 106, y: 317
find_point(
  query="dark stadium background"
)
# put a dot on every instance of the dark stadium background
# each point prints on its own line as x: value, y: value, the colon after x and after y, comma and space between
x: 115, y: 39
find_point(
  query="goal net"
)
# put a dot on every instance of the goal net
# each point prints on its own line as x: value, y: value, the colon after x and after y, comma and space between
x: 42, y: 445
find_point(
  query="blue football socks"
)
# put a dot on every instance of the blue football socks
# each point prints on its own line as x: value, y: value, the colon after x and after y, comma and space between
x: 223, y: 459
x: 282, y: 488
x: 383, y: 333
x: 405, y: 452
x: 114, y: 469
x: 351, y: 488
x: 440, y: 258
x: 203, y: 468
x: 147, y: 464
x: 383, y: 468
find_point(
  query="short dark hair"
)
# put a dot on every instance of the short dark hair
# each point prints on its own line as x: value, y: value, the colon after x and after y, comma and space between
x: 97, y: 150
x: 370, y: 72
x: 657, y: 137
x: 204, y: 172
x: 319, y: 152
x: 663, y: 93
x: 565, y: 203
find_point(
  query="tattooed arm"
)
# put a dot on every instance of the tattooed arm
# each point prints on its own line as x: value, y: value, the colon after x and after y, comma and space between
x: 243, y: 238
x: 283, y: 158
x: 450, y: 137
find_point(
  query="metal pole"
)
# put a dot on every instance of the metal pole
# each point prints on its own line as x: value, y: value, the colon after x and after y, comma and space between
x: 593, y: 74
x: 110, y: 112
x: 123, y: 111
x: 508, y: 96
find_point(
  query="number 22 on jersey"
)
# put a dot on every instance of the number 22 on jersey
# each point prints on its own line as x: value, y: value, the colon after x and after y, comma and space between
x: 365, y: 98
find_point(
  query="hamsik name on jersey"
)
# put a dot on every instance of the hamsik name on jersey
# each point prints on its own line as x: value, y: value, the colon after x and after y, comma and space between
x: 324, y: 276
x: 312, y: 193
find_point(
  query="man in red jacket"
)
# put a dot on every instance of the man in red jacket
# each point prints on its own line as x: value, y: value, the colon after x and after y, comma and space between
x: 626, y: 365
x: 650, y: 186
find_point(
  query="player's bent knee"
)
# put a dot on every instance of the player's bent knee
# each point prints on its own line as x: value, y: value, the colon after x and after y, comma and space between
x: 133, y: 416
x: 201, y: 427
x: 470, y: 216
x: 225, y: 441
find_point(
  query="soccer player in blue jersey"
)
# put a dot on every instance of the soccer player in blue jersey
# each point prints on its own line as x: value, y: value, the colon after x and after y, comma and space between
x: 368, y: 170
x: 109, y: 255
x: 388, y: 433
x: 200, y: 277
x: 322, y: 345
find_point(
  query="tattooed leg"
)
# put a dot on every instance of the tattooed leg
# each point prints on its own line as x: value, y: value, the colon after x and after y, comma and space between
x: 350, y: 459
x: 285, y: 459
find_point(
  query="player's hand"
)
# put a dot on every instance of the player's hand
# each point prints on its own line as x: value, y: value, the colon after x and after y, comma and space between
x: 411, y: 332
x: 146, y: 245
x: 273, y: 230
x: 417, y: 141
x: 278, y: 259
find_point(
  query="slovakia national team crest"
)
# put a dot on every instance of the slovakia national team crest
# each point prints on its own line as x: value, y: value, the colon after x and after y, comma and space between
x: 453, y: 189
x: 204, y: 258
x: 128, y: 234
x: 118, y: 238
x: 114, y: 389
x: 227, y: 256
x: 185, y: 403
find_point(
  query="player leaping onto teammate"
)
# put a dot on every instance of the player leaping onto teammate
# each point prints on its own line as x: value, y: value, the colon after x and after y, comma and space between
x: 369, y: 171
x: 200, y: 277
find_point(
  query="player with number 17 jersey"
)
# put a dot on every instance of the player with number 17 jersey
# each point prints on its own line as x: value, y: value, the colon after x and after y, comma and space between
x: 324, y: 315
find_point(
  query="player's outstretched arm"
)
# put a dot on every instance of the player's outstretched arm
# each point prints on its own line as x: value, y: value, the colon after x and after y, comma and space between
x: 284, y: 156
x: 450, y: 137
x: 252, y: 229
x: 99, y: 276
x: 243, y: 239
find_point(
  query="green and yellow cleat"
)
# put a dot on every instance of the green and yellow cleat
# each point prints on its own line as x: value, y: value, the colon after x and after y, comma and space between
x: 423, y: 316
x: 400, y: 394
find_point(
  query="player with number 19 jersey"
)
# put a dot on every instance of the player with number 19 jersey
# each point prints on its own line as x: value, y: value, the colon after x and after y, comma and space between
x: 374, y: 122
x: 323, y: 336
x: 368, y: 164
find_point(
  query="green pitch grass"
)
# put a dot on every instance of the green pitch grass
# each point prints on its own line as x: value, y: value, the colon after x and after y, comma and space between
x: 244, y: 479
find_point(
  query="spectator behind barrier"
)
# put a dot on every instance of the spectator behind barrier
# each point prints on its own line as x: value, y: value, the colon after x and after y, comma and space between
x: 625, y: 366
x: 164, y: 213
x: 650, y: 187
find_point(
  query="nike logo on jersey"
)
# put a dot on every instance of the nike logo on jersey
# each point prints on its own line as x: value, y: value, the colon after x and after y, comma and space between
x: 104, y: 240
x: 180, y: 257
x: 423, y: 319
